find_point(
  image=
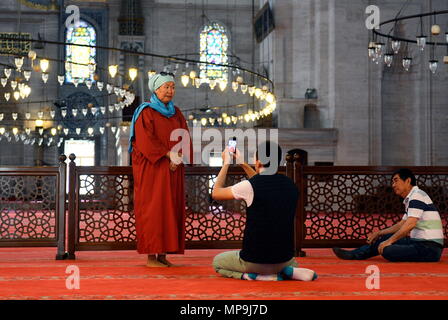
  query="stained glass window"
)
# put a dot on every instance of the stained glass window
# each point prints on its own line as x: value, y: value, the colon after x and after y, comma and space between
x: 83, y: 33
x: 213, y: 48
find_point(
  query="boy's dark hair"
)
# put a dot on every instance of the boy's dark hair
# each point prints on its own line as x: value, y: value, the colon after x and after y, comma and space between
x: 265, y: 149
x: 404, y: 174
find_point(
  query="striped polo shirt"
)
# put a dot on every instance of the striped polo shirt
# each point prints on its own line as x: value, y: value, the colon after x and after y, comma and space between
x: 429, y: 226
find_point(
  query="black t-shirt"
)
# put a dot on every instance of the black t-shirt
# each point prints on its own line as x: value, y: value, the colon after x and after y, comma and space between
x: 269, y: 232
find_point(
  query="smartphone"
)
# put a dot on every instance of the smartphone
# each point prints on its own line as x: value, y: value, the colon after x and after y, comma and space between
x: 232, y: 145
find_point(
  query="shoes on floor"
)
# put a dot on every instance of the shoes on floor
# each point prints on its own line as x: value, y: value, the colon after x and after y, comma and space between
x: 344, y: 254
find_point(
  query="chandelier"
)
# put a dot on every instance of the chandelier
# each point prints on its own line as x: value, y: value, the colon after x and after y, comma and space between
x: 45, y: 126
x: 386, y: 47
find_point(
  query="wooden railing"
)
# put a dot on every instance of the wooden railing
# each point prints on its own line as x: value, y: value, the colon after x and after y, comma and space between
x: 338, y: 206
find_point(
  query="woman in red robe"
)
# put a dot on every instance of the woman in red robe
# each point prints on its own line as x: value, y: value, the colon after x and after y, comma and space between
x: 158, y: 169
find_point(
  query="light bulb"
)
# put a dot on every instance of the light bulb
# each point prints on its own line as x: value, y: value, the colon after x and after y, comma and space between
x: 19, y: 63
x: 13, y: 85
x: 54, y: 131
x: 433, y: 64
x: 90, y: 131
x: 27, y: 116
x: 103, y: 110
x: 113, y: 69
x: 197, y: 82
x: 40, y: 114
x: 84, y: 112
x: 243, y: 88
x: 421, y: 42
x: 192, y: 74
x: 204, y: 121
x: 63, y: 113
x: 27, y: 91
x: 212, y: 84
x: 65, y: 131
x: 2, y: 130
x: 223, y: 84
x: 14, y: 116
x: 435, y: 29
x: 4, y: 81
x: 16, y: 95
x: 396, y: 46
x: 185, y: 79
x: 45, y: 77
x: 52, y: 114
x: 39, y: 123
x: 7, y: 72
x: 88, y: 83
x: 32, y: 54
x: 78, y: 131
x: 407, y: 63
x: 234, y: 86
x: 151, y: 73
x: 251, y: 90
x: 15, y: 131
x: 27, y: 75
x: 61, y: 80
x: 133, y: 72
x: 258, y: 93
x: 388, y: 59
x: 44, y: 64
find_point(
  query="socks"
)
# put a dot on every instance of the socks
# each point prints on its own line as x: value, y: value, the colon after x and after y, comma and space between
x: 301, y: 274
x: 261, y: 277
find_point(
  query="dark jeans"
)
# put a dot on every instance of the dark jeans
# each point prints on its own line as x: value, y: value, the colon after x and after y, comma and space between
x: 403, y: 250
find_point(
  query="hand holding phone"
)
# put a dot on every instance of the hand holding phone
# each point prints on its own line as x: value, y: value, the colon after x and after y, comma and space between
x: 232, y: 145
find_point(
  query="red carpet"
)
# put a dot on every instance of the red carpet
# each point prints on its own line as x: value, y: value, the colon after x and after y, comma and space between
x: 32, y: 273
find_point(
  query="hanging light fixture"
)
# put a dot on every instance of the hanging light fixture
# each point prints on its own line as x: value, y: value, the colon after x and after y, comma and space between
x: 204, y: 121
x: 223, y: 84
x: 407, y: 63
x: 433, y: 64
x: 192, y: 74
x: 61, y: 80
x: 197, y: 82
x: 90, y: 131
x: 88, y: 83
x: 27, y: 116
x: 14, y: 115
x: 78, y: 131
x: 13, y: 85
x: 16, y: 95
x: 27, y: 75
x: 396, y: 44
x: 388, y: 59
x: 7, y: 72
x: 185, y: 79
x: 32, y: 55
x: 421, y: 42
x: 63, y: 113
x: 45, y: 77
x: 243, y: 88
x: 100, y: 85
x: 234, y: 86
x: 54, y: 131
x: 133, y: 72
x: 19, y: 63
x: 44, y: 64
x: 113, y: 69
x: 251, y: 90
x: 52, y: 114
x: 65, y: 131
x: 151, y: 73
x: 4, y: 81
x: 74, y: 112
x: 212, y: 84
x: 7, y: 96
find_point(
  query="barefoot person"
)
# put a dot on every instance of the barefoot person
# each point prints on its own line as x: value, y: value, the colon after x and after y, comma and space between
x: 159, y: 202
x: 268, y: 241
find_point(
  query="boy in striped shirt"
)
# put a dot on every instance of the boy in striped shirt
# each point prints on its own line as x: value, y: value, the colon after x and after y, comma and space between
x: 418, y: 237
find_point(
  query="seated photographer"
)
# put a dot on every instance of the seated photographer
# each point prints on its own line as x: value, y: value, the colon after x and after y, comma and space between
x: 418, y: 237
x: 268, y: 241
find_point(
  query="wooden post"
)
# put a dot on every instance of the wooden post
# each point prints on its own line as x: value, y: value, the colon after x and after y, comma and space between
x: 61, y: 208
x: 72, y: 219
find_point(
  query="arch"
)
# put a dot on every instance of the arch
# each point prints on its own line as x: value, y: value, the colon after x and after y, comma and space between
x: 214, y: 44
x: 83, y: 33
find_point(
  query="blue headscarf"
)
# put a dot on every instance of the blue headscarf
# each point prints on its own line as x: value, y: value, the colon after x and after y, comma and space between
x: 154, y: 102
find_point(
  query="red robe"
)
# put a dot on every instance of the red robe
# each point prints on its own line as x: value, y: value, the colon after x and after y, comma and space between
x: 159, y: 199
